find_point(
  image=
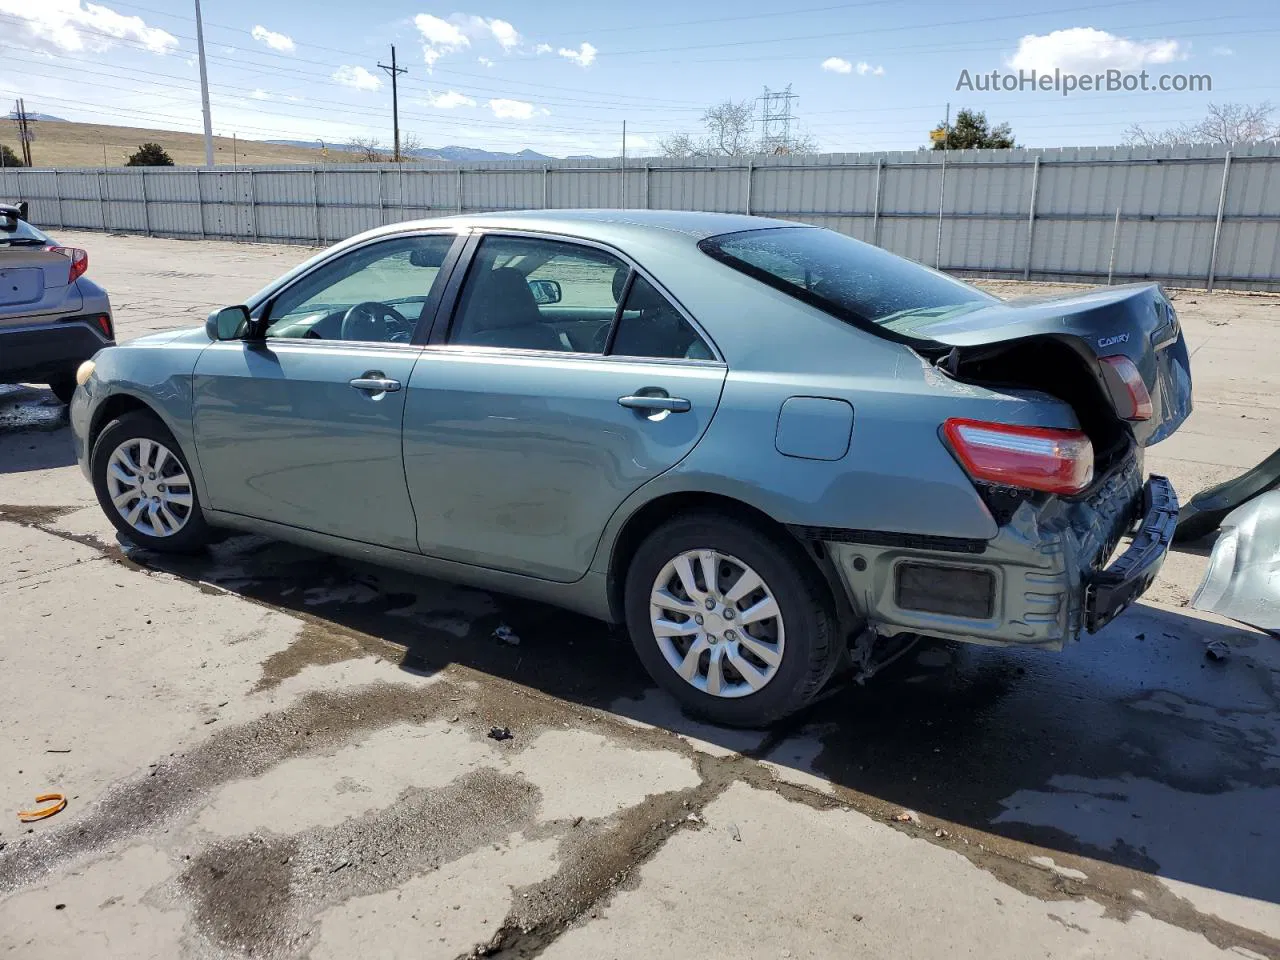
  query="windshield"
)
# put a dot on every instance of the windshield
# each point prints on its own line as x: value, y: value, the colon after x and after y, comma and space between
x: 19, y: 233
x: 852, y: 280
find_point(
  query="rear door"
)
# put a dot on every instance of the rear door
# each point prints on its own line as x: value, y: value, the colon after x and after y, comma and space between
x: 526, y: 428
x: 303, y: 427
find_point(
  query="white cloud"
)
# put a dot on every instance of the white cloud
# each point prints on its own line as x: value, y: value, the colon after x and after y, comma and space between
x: 542, y: 48
x: 449, y: 100
x: 276, y: 41
x: 1223, y: 52
x: 1089, y: 50
x: 505, y: 34
x: 837, y: 65
x: 484, y: 61
x: 67, y: 26
x: 584, y: 56
x: 260, y: 94
x: 512, y: 109
x: 865, y: 68
x: 358, y: 78
x: 439, y: 37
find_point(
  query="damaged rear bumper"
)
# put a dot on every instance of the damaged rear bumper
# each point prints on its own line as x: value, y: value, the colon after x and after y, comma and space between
x: 1039, y: 582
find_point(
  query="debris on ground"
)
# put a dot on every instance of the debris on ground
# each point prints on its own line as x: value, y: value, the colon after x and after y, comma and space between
x: 734, y: 832
x: 54, y: 802
x: 941, y: 834
x: 908, y: 816
x: 506, y: 635
x: 694, y: 818
x: 500, y: 733
x: 1217, y: 649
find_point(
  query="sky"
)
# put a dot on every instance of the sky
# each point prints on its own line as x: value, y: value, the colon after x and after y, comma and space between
x: 561, y: 77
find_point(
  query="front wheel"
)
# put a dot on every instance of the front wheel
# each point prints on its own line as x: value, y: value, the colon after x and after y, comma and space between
x: 144, y: 485
x: 730, y: 619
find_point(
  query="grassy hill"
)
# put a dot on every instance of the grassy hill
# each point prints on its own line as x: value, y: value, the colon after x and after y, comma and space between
x: 63, y: 144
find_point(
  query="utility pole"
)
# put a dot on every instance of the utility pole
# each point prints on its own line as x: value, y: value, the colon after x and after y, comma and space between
x: 394, y: 72
x: 204, y: 91
x: 25, y: 134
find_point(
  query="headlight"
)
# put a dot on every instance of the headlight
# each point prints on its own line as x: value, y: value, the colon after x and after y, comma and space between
x: 84, y: 372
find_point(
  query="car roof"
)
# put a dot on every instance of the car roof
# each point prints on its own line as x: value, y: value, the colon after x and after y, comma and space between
x: 607, y: 225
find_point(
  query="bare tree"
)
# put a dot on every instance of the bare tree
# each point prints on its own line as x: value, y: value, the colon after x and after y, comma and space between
x: 410, y: 144
x: 729, y: 129
x: 730, y: 132
x: 1225, y: 123
x: 367, y: 149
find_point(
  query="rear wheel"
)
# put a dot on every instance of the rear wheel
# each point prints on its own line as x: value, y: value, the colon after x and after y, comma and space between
x: 730, y: 619
x: 63, y: 388
x: 144, y: 485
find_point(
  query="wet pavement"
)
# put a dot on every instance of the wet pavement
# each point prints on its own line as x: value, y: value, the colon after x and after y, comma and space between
x: 276, y: 753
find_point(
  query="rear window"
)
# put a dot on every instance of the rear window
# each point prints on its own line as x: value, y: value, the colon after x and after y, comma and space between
x: 849, y: 279
x: 19, y: 232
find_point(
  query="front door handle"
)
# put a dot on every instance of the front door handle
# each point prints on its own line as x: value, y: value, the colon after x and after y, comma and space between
x: 669, y: 404
x: 376, y: 384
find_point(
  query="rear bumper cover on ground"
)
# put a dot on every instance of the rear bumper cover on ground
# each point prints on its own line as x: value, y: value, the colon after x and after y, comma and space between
x: 1041, y: 577
x: 42, y: 351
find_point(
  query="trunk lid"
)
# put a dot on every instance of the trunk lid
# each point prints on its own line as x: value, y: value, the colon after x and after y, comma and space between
x: 33, y: 280
x: 1136, y: 321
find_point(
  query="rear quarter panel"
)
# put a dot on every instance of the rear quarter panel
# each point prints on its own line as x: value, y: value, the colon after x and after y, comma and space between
x: 896, y: 475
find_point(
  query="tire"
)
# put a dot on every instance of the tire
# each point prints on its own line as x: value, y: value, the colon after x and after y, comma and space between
x: 64, y: 388
x: 141, y: 434
x: 806, y: 623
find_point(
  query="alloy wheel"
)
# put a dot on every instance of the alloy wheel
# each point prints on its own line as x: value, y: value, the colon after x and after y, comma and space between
x: 149, y: 487
x: 717, y: 623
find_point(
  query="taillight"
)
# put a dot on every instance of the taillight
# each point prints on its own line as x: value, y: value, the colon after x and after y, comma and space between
x: 1036, y: 458
x: 1139, y: 398
x: 79, y: 260
x: 104, y: 324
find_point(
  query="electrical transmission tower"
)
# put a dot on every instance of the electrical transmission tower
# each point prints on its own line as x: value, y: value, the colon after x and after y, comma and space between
x: 775, y: 121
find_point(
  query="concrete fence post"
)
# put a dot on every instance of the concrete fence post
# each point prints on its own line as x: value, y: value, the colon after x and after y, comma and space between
x: 315, y: 204
x: 1115, y: 239
x: 57, y: 193
x: 942, y: 197
x: 1031, y: 218
x: 875, y: 210
x: 146, y: 206
x: 751, y: 169
x: 647, y: 171
x: 1217, y: 226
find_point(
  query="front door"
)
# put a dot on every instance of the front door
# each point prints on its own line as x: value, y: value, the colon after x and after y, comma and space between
x: 548, y: 405
x: 302, y: 427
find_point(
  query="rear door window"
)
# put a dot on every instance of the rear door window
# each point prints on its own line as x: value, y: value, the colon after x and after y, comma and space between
x: 650, y: 326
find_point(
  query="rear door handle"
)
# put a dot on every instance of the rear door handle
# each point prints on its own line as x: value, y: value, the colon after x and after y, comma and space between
x: 376, y: 384
x: 670, y: 404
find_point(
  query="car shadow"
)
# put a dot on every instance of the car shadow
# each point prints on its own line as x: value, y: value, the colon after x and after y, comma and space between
x: 1131, y: 747
x: 34, y: 432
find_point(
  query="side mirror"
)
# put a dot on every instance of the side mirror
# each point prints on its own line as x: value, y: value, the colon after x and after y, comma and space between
x: 229, y: 323
x: 545, y: 291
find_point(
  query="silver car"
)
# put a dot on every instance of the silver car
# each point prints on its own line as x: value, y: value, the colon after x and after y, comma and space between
x: 771, y: 450
x: 52, y: 317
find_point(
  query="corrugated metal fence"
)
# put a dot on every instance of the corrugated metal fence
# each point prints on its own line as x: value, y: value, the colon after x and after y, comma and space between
x: 1191, y: 216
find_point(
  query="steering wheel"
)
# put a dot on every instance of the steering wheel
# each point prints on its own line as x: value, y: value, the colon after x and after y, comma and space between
x: 375, y: 322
